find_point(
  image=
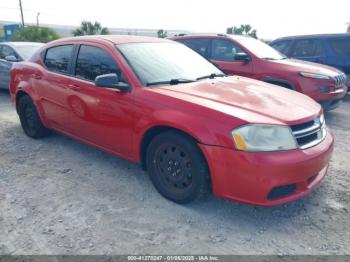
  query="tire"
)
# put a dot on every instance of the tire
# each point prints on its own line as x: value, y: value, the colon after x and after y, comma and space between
x: 30, y: 119
x: 177, y: 168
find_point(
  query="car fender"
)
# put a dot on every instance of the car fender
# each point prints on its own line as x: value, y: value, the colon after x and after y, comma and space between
x: 193, y: 126
x: 275, y: 80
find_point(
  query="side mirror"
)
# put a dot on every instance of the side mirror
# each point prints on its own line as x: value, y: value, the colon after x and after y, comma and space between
x: 242, y: 57
x: 111, y: 81
x: 11, y: 58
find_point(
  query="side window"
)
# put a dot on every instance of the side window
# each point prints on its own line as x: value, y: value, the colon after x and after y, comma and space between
x: 307, y: 48
x: 198, y: 45
x: 282, y: 46
x: 6, y: 51
x: 341, y: 46
x: 58, y: 58
x: 93, y: 61
x: 224, y: 50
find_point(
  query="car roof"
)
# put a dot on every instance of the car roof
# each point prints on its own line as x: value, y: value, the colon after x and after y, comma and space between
x: 190, y: 36
x: 116, y: 39
x: 313, y: 36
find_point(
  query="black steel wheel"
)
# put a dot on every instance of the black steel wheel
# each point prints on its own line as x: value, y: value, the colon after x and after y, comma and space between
x: 177, y: 168
x: 30, y: 119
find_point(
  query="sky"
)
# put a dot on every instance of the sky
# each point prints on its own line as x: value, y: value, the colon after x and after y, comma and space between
x: 271, y: 18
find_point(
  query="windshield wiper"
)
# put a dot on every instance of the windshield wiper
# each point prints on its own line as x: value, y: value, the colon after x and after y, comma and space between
x: 211, y: 76
x: 269, y: 58
x: 174, y: 81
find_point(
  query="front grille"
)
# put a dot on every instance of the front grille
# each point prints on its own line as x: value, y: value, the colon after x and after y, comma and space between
x: 340, y: 80
x: 310, y: 133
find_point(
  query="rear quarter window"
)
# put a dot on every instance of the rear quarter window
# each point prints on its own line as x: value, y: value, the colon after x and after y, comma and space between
x: 341, y: 46
x: 58, y: 58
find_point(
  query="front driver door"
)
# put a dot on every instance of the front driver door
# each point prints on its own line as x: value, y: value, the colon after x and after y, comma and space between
x: 222, y: 54
x: 5, y: 66
x: 102, y: 116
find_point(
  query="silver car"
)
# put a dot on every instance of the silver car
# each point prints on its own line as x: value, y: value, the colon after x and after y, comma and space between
x: 11, y: 52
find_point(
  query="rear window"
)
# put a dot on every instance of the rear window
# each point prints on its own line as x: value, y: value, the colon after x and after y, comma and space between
x: 58, y: 58
x: 341, y: 45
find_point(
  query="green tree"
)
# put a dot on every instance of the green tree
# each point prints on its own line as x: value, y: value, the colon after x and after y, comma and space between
x: 162, y: 33
x: 242, y: 30
x: 89, y: 28
x: 35, y: 34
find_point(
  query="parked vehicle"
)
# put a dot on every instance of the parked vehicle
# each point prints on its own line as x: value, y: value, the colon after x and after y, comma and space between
x: 331, y: 49
x: 11, y: 52
x: 159, y: 103
x: 246, y: 56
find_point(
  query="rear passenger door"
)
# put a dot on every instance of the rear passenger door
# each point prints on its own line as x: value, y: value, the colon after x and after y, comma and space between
x: 53, y: 86
x: 222, y: 54
x: 308, y: 49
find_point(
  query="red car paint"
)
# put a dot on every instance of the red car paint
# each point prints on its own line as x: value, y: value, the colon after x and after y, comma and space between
x: 278, y: 71
x: 206, y: 110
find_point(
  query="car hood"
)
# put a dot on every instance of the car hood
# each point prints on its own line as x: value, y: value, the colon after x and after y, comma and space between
x: 309, y: 67
x: 247, y: 99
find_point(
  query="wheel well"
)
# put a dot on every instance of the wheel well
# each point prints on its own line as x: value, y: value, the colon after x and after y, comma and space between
x: 280, y: 82
x: 18, y: 96
x: 153, y: 132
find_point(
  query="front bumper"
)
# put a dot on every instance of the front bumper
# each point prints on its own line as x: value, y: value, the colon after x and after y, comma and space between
x: 332, y: 100
x: 254, y: 178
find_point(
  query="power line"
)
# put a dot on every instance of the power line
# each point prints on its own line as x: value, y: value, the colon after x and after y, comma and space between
x: 20, y: 7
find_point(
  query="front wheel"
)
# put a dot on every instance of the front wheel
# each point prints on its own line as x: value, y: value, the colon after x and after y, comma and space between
x: 30, y: 119
x: 177, y: 168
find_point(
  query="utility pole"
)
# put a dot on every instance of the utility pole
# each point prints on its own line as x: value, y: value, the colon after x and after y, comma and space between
x: 20, y: 7
x: 37, y: 19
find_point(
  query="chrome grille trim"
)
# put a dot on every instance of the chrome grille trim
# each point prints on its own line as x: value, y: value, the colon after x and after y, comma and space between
x: 340, y: 80
x: 310, y: 136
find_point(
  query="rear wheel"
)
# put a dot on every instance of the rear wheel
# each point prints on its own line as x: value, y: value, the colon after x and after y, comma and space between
x: 177, y: 168
x: 30, y: 119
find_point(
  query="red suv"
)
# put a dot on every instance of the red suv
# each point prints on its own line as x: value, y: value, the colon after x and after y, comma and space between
x: 159, y: 103
x: 246, y: 56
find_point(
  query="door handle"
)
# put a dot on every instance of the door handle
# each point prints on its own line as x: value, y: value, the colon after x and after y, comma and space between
x: 74, y: 87
x: 36, y: 76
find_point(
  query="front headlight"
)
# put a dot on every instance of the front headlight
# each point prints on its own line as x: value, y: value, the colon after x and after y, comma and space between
x: 316, y: 76
x: 264, y: 138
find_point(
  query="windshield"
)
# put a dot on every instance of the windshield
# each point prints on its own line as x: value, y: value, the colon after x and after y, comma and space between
x: 166, y: 63
x: 260, y: 49
x: 26, y: 51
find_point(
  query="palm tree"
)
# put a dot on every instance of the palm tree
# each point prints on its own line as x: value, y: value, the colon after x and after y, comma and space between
x: 162, y: 33
x: 88, y: 28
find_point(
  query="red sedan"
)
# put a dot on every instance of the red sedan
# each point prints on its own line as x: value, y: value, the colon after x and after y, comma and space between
x: 161, y: 104
x: 246, y: 56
